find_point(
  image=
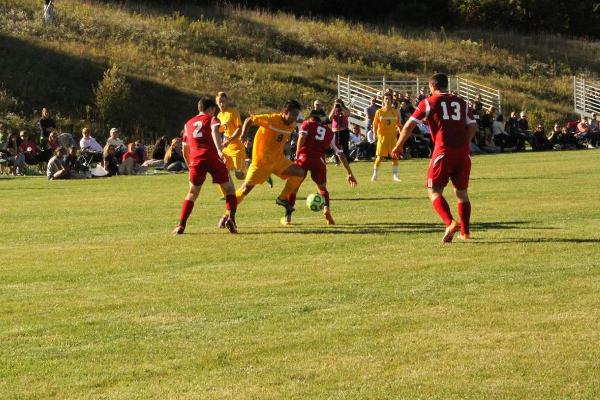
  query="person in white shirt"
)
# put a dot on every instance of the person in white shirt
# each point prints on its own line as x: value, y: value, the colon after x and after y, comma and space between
x: 115, y: 140
x: 88, y: 143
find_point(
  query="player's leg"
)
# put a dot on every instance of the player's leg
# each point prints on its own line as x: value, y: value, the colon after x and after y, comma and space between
x: 187, y: 207
x: 327, y: 208
x: 376, y: 165
x: 294, y: 176
x: 239, y: 165
x: 460, y: 180
x: 255, y: 176
x: 395, y: 176
x: 437, y: 179
x: 228, y: 220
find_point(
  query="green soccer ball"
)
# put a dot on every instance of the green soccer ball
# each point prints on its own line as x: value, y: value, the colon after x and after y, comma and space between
x: 315, y: 202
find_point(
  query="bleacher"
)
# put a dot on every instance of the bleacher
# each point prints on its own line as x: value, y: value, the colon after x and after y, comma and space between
x: 357, y: 93
x: 586, y: 96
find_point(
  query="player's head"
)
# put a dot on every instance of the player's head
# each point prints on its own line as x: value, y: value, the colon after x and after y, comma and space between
x: 222, y: 100
x: 315, y: 115
x: 438, y: 83
x: 291, y: 110
x: 388, y: 99
x: 207, y: 105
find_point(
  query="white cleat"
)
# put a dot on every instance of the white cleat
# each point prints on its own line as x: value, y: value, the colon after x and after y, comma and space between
x: 396, y: 178
x: 374, y: 177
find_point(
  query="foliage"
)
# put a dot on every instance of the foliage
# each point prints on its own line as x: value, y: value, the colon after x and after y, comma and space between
x: 112, y: 97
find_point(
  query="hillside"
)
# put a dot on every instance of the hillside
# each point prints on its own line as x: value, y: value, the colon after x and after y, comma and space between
x: 259, y: 58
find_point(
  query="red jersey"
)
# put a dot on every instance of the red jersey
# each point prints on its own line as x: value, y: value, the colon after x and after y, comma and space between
x: 448, y: 117
x: 319, y: 138
x: 197, y: 133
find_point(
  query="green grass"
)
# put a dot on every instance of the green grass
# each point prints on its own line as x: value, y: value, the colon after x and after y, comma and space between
x: 98, y: 301
x: 261, y: 59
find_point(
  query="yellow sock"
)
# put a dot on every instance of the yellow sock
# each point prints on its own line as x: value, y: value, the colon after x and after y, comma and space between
x: 240, y: 196
x: 377, y: 162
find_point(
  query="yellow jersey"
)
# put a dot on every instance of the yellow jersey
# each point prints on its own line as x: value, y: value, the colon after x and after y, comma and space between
x: 230, y: 122
x: 271, y: 137
x: 386, y: 122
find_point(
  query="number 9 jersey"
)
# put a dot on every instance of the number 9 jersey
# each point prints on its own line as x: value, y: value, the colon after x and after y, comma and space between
x: 448, y: 117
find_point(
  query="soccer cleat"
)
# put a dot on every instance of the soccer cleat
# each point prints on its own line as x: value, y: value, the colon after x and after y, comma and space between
x: 223, y: 222
x: 287, y: 220
x: 396, y: 178
x: 465, y: 236
x: 450, y: 231
x: 179, y: 230
x: 231, y: 225
x: 328, y: 217
x: 374, y: 177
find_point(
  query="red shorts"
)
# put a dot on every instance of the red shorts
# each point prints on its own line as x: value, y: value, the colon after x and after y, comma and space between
x: 447, y: 166
x: 316, y: 166
x: 214, y: 166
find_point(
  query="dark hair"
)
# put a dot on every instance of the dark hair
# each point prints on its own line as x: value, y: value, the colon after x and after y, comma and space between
x: 205, y: 103
x: 58, y: 150
x: 161, y: 142
x: 292, y: 105
x: 500, y: 118
x: 314, y: 115
x: 439, y: 81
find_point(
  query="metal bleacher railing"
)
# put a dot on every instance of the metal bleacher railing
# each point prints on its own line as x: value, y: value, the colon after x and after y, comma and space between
x: 356, y: 93
x: 586, y: 96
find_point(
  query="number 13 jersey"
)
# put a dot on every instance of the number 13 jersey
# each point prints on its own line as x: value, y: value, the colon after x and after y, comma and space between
x: 448, y: 117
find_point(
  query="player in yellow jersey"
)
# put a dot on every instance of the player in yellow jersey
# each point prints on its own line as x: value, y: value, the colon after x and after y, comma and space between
x: 386, y: 124
x: 231, y: 127
x: 267, y: 154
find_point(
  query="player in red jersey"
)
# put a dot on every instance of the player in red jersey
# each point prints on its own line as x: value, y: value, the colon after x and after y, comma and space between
x: 203, y: 154
x: 452, y: 129
x: 313, y: 141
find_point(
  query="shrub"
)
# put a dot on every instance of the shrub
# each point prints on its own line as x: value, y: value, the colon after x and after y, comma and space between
x: 112, y: 97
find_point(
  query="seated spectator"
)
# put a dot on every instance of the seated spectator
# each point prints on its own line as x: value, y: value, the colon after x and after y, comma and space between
x: 501, y: 137
x: 73, y: 160
x: 595, y: 125
x: 140, y: 151
x: 555, y: 136
x: 478, y: 105
x: 115, y: 140
x: 512, y: 128
x: 158, y: 154
x: 57, y: 166
x: 49, y: 147
x: 541, y: 141
x: 16, y: 160
x: 585, y: 135
x: 174, y: 160
x: 360, y: 142
x: 89, y: 144
x: 29, y: 149
x: 110, y: 160
x: 4, y: 156
x: 130, y: 163
x: 567, y: 139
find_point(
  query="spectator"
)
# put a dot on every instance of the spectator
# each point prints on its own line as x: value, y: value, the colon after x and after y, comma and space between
x: 339, y: 116
x: 29, y: 149
x: 49, y: 11
x: 555, y: 136
x: 110, y: 160
x: 115, y: 140
x: 487, y: 122
x: 541, y: 141
x: 422, y: 96
x: 57, y: 166
x: 595, y: 125
x: 73, y: 160
x: 88, y: 143
x: 49, y: 147
x: 584, y: 133
x: 478, y: 105
x: 372, y: 140
x: 360, y: 142
x: 370, y: 113
x: 140, y: 152
x: 567, y: 139
x: 158, y: 154
x: 512, y: 128
x: 46, y: 124
x: 4, y: 156
x: 501, y: 137
x: 16, y: 160
x: 174, y: 160
x: 320, y: 111
x: 131, y: 161
x: 407, y: 98
x: 406, y: 110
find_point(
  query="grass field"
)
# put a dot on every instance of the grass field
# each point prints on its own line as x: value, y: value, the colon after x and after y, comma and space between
x: 98, y: 301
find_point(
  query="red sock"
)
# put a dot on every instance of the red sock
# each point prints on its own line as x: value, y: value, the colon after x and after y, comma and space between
x: 231, y: 204
x: 443, y: 209
x: 325, y: 194
x: 186, y: 210
x: 464, y: 213
x: 291, y: 198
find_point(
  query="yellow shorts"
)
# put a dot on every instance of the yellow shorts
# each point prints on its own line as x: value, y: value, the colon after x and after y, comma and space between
x: 235, y: 159
x: 258, y: 174
x: 385, y: 145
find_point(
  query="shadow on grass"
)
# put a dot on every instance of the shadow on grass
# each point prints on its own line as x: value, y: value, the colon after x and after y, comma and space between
x: 378, y: 198
x: 537, y: 240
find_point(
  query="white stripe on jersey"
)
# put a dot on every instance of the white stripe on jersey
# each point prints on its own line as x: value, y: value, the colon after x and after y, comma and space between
x: 427, y: 108
x: 413, y: 119
x: 278, y: 130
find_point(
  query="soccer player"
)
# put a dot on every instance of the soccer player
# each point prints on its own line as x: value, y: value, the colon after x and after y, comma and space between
x: 267, y: 152
x: 203, y: 153
x: 313, y: 141
x: 386, y: 125
x: 452, y: 129
x: 233, y: 149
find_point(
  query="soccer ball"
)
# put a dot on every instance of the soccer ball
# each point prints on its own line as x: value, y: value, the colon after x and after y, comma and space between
x: 315, y: 202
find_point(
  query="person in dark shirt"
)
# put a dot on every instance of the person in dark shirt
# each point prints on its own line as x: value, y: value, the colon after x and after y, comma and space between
x: 46, y: 124
x: 110, y: 160
x: 541, y: 141
x: 160, y: 149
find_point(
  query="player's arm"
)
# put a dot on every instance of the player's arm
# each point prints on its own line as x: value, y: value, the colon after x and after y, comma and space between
x: 216, y: 135
x: 472, y: 126
x: 340, y: 153
x: 185, y: 148
x: 245, y: 128
x: 376, y: 122
x: 300, y: 144
x: 237, y: 133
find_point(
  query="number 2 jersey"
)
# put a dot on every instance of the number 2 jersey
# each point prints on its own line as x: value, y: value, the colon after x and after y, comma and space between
x: 197, y: 134
x: 448, y: 117
x: 319, y: 138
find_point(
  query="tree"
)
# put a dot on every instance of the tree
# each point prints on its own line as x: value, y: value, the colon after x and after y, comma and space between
x: 112, y: 97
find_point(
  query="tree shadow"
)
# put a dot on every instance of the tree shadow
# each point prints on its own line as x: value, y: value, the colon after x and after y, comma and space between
x: 41, y: 77
x: 377, y: 198
x: 537, y: 240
